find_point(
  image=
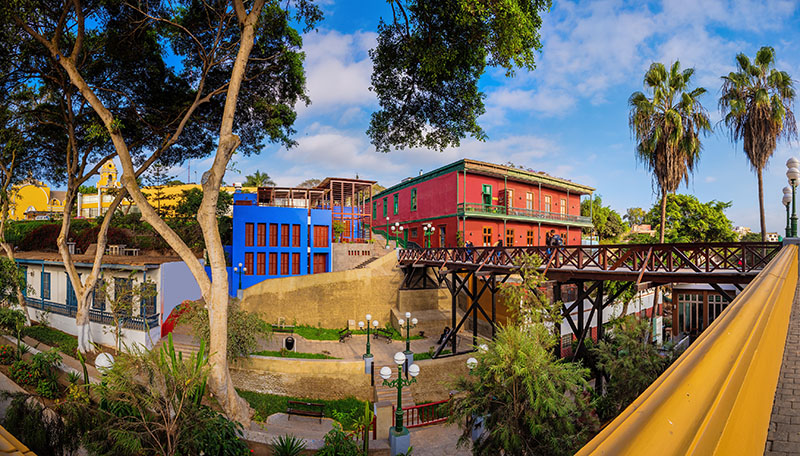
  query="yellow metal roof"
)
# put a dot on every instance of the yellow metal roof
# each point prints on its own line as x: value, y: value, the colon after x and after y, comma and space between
x: 9, y: 445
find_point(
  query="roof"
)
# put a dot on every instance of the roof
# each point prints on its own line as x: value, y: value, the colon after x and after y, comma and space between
x: 326, y: 182
x: 9, y: 445
x: 491, y: 169
x: 146, y: 259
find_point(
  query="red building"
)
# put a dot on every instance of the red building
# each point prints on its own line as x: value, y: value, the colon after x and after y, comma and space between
x: 481, y: 202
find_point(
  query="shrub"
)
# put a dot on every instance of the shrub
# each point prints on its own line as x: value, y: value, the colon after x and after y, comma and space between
x: 22, y: 373
x: 16, y: 231
x: 245, y: 329
x: 42, y: 238
x: 40, y: 372
x: 89, y: 236
x: 66, y: 343
x: 287, y: 445
x: 8, y: 354
x: 337, y: 443
x: 41, y: 430
x: 48, y: 388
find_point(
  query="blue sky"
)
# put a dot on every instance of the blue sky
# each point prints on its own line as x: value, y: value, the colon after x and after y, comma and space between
x: 568, y: 117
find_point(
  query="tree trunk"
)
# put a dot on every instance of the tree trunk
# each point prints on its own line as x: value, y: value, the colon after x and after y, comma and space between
x: 761, y: 205
x: 663, y: 214
x: 85, y: 342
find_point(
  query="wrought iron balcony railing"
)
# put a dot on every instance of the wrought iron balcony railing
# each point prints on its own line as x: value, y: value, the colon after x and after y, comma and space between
x: 495, y: 209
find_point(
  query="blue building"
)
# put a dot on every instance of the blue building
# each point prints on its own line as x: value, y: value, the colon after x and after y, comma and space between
x: 284, y: 232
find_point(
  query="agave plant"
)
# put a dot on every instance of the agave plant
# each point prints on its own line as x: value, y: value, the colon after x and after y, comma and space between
x: 287, y: 445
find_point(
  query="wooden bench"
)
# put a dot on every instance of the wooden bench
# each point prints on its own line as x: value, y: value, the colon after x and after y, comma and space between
x: 386, y: 334
x: 345, y: 334
x: 316, y: 409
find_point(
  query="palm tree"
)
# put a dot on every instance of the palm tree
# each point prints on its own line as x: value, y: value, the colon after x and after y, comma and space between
x: 258, y: 179
x: 667, y: 128
x: 756, y: 103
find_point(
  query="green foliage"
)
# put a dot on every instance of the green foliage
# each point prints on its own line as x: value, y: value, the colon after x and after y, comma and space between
x: 525, y: 301
x: 43, y: 238
x: 16, y: 231
x: 245, y: 329
x: 189, y: 203
x: 751, y: 237
x: 634, y: 216
x: 41, y: 372
x: 339, y: 227
x: 293, y: 354
x: 531, y: 402
x: 258, y: 179
x: 87, y: 190
x: 428, y: 61
x: 13, y: 320
x: 309, y: 183
x: 630, y: 362
x: 8, y: 354
x: 607, y: 222
x: 268, y: 404
x: 66, y: 343
x: 287, y: 445
x: 337, y: 443
x: 317, y: 333
x: 689, y: 220
x: 89, y: 236
x: 41, y: 430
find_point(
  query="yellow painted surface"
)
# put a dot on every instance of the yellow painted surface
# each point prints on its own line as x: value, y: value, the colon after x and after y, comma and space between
x: 166, y: 197
x: 717, y: 397
x: 9, y: 445
x: 32, y: 196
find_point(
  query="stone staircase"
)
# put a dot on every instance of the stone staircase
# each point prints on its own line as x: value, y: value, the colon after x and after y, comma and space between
x: 182, y: 343
x: 366, y: 263
x: 385, y: 393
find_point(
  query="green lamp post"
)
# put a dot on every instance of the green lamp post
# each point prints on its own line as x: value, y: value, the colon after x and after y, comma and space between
x: 793, y: 174
x: 399, y: 437
x: 387, y: 232
x: 787, y: 199
x: 397, y: 232
x: 428, y: 232
x: 407, y: 324
x: 368, y: 358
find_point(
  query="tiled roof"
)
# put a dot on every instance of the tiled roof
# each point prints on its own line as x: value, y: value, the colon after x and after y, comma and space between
x: 9, y: 445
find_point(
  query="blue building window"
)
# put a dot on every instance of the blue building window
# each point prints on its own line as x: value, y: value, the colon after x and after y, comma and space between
x: 45, y: 285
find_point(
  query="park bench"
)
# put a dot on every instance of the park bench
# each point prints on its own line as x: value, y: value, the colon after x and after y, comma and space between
x: 385, y: 333
x: 312, y: 409
x: 345, y: 334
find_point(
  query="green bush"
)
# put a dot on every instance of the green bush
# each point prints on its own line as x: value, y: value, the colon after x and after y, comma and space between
x: 16, y: 231
x: 245, y: 329
x: 42, y: 238
x: 66, y: 343
x: 44, y: 433
x: 8, y: 354
x: 337, y: 443
x: 287, y: 445
x: 267, y: 404
x: 292, y: 354
x: 21, y: 373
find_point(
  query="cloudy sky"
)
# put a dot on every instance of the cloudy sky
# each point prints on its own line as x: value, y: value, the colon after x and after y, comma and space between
x: 568, y: 117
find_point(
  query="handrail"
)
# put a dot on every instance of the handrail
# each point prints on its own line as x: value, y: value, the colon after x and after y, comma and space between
x: 425, y: 414
x: 498, y: 209
x: 717, y: 397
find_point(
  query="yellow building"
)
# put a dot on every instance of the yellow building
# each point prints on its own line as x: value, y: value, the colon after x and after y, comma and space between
x: 165, y: 197
x: 33, y: 199
x: 96, y: 204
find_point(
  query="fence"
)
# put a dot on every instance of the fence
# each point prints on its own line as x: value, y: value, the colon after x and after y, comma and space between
x: 425, y: 414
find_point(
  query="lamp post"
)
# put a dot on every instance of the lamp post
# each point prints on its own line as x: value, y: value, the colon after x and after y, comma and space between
x: 428, y: 229
x: 368, y: 358
x: 477, y: 426
x: 399, y: 437
x: 787, y: 199
x: 387, y: 232
x: 399, y: 229
x: 407, y: 324
x: 793, y: 174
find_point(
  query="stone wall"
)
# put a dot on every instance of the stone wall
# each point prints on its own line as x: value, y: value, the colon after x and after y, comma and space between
x: 435, y: 377
x: 328, y: 300
x: 347, y: 256
x: 306, y: 378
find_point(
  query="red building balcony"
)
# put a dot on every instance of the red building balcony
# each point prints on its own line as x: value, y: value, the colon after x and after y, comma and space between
x: 516, y: 213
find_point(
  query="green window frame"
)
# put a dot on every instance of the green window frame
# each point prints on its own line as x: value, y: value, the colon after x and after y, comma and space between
x: 385, y: 207
x: 413, y: 199
x: 374, y: 209
x: 487, y: 195
x: 396, y: 203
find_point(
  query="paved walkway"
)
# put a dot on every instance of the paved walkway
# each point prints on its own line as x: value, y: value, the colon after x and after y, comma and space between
x: 784, y: 427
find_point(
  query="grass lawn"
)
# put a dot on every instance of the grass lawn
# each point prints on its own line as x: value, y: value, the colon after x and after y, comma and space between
x: 52, y: 337
x: 342, y: 410
x: 312, y: 333
x: 290, y: 354
x: 428, y: 355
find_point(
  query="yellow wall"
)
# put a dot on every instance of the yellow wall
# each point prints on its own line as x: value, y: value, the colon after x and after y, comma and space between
x: 29, y: 195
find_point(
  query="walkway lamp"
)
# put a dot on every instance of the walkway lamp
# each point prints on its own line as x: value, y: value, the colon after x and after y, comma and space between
x: 787, y: 199
x: 399, y: 437
x: 399, y: 232
x: 793, y: 174
x: 407, y: 324
x: 368, y: 358
x: 428, y: 229
x: 477, y: 426
x: 239, y: 270
x: 387, y: 232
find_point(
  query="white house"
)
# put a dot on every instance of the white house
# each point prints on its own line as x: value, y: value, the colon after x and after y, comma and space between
x: 50, y: 294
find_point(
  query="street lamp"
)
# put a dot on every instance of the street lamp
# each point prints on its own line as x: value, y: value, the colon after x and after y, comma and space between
x: 387, y: 232
x: 408, y: 323
x: 787, y: 199
x: 793, y: 174
x: 368, y: 358
x: 428, y: 229
x: 399, y: 229
x: 477, y: 424
x: 399, y: 437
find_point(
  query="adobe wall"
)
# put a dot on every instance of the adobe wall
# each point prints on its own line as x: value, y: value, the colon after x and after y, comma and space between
x: 328, y: 300
x: 347, y: 256
x: 435, y: 378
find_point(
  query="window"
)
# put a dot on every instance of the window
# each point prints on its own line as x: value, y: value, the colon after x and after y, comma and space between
x: 563, y: 206
x: 273, y: 264
x: 248, y: 234
x: 509, y: 237
x: 529, y: 238
x: 123, y: 292
x: 487, y: 236
x: 396, y: 203
x: 487, y: 195
x: 295, y: 235
x: 374, y: 209
x: 285, y: 263
x: 320, y: 236
x: 385, y: 207
x: 45, y: 285
x: 413, y: 199
x: 320, y: 262
x: 148, y: 301
x: 547, y: 203
x: 99, y: 297
x: 284, y: 235
x: 296, y: 263
x: 248, y: 263
x: 262, y: 263
x: 529, y: 201
x: 273, y: 234
x: 413, y: 233
x: 262, y: 234
x: 442, y: 229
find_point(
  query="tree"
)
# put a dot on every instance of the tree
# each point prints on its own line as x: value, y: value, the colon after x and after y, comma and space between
x: 756, y: 103
x: 309, y: 183
x: 258, y: 179
x: 87, y: 190
x: 122, y: 298
x: 429, y: 59
x: 689, y: 220
x: 606, y: 221
x: 667, y: 127
x: 190, y: 201
x: 752, y: 237
x: 634, y: 216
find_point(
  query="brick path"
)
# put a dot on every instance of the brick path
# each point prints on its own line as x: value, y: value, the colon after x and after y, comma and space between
x: 784, y: 427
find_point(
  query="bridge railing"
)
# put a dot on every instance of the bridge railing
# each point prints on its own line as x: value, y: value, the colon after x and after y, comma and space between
x: 700, y: 257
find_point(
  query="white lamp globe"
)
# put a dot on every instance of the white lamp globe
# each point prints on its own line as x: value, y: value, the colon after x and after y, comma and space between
x: 401, y: 322
x: 413, y: 370
x: 104, y: 361
x: 369, y: 317
x: 386, y: 372
x: 483, y: 348
x: 787, y: 199
x: 414, y: 321
x: 433, y: 228
x: 408, y: 314
x: 787, y: 190
x: 472, y: 363
x: 793, y: 174
x: 361, y: 324
x: 375, y: 323
x: 792, y: 162
x: 399, y: 358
